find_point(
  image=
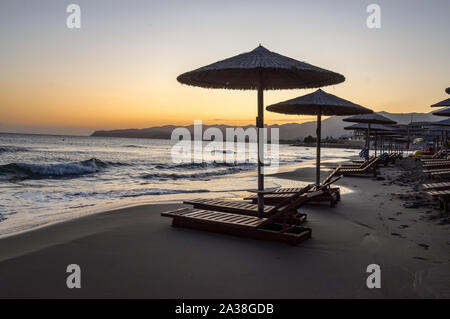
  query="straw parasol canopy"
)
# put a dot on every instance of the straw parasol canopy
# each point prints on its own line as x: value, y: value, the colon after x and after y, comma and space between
x: 372, y: 118
x: 443, y: 112
x: 373, y: 127
x: 369, y: 119
x: 248, y: 71
x: 260, y: 70
x: 442, y: 103
x: 447, y: 90
x: 318, y: 103
x: 445, y: 122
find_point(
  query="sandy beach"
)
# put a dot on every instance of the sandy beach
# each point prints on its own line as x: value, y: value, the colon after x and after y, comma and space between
x: 134, y: 252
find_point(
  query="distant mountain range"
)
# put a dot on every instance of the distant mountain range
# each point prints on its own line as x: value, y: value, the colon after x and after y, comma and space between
x: 332, y: 126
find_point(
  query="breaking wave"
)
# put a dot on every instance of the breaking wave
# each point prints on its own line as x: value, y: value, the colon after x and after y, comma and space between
x: 12, y: 149
x: 39, y: 171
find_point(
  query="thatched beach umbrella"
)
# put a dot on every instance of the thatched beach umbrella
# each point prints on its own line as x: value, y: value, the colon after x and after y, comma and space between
x: 318, y: 103
x: 442, y: 103
x: 373, y: 127
x: 369, y: 119
x: 445, y: 122
x: 443, y: 112
x: 260, y: 70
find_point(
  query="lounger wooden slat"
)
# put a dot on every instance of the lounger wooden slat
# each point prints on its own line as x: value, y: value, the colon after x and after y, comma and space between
x: 247, y: 209
x: 436, y: 186
x: 228, y: 206
x: 436, y: 170
x: 437, y: 166
x: 439, y: 174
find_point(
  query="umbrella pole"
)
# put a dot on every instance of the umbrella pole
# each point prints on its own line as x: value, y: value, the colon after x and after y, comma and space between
x: 368, y: 141
x: 318, y: 142
x: 376, y: 137
x: 260, y: 126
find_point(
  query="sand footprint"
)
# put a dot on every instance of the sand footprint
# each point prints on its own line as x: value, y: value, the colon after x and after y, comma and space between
x: 420, y: 258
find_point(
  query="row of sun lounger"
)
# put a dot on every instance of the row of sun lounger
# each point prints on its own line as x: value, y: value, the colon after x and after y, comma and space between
x: 281, y: 220
x: 437, y: 166
x: 437, y: 155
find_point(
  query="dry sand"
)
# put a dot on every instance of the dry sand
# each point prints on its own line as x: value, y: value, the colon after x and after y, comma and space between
x: 134, y: 252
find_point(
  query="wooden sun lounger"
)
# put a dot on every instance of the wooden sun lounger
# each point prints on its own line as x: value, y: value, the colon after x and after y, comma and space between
x: 358, y: 172
x: 443, y: 196
x: 331, y: 197
x: 238, y: 225
x: 330, y: 194
x: 237, y: 207
x: 368, y: 170
x: 395, y: 156
x: 359, y: 164
x: 434, y: 156
x: 361, y: 161
x: 445, y: 164
x: 435, y: 160
x: 281, y: 226
x: 436, y: 186
x: 436, y: 170
x: 439, y: 173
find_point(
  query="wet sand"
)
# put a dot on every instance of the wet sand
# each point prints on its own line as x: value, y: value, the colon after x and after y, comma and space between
x: 134, y: 252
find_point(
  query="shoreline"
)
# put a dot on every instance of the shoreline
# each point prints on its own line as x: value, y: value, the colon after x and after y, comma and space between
x: 158, y: 199
x: 134, y: 252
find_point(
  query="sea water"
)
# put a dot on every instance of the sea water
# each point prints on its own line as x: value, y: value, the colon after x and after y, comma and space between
x: 46, y: 179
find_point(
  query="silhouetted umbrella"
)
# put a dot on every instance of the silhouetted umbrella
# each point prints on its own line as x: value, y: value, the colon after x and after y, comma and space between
x: 443, y: 112
x: 373, y: 127
x: 318, y: 103
x: 445, y: 122
x: 260, y: 70
x: 370, y: 119
x: 442, y: 103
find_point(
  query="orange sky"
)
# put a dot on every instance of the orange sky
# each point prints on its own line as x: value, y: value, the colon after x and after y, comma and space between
x: 119, y: 70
